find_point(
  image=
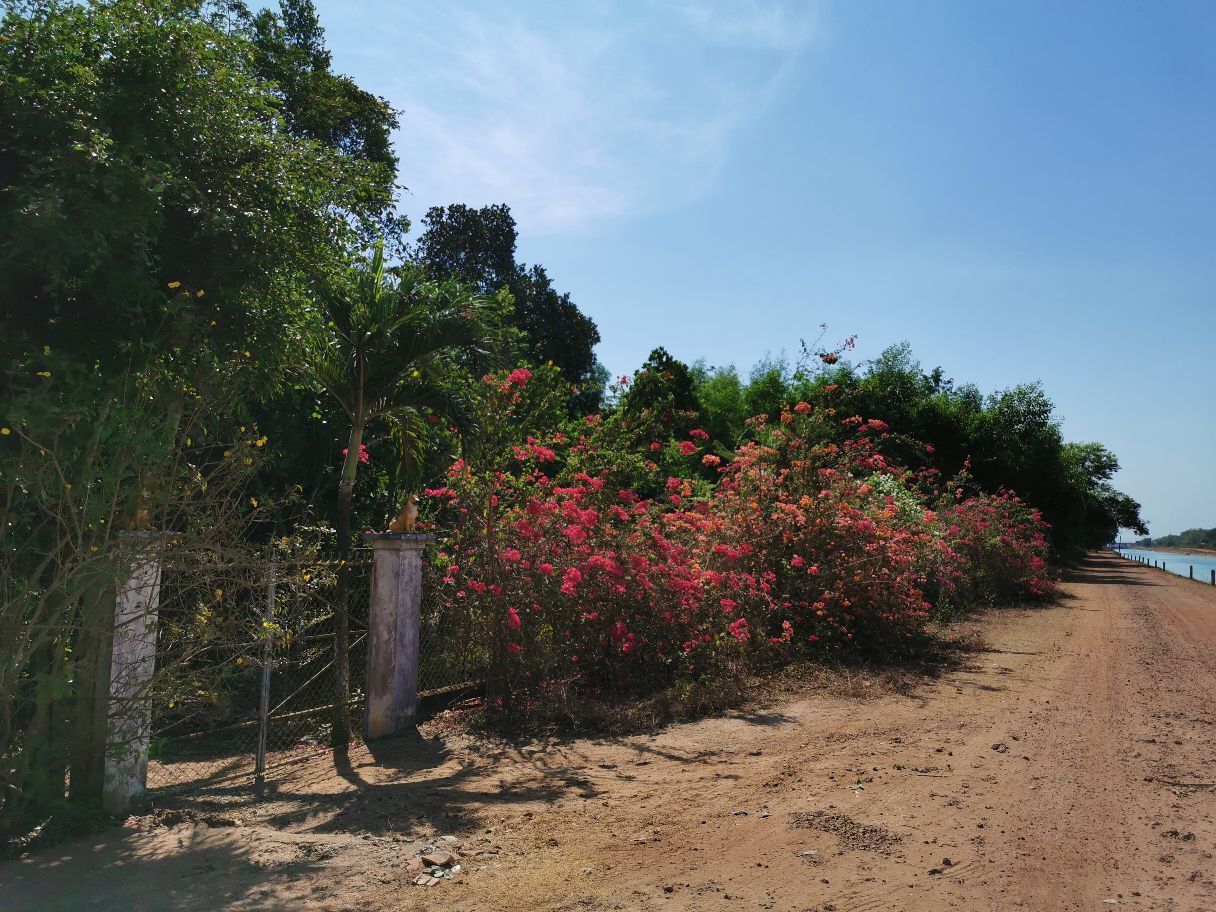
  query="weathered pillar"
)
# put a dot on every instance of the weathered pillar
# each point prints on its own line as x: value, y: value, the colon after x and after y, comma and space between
x: 392, y: 633
x: 131, y: 665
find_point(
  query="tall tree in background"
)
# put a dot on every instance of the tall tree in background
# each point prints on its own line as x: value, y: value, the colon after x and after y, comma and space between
x: 1104, y: 509
x: 478, y: 246
x: 662, y: 381
x: 1011, y: 439
x: 326, y: 107
x: 382, y: 350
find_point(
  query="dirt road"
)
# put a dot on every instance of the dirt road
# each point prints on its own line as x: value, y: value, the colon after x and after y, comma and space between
x: 1069, y: 765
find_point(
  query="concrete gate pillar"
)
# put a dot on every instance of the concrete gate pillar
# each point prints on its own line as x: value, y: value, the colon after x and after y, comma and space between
x: 392, y: 632
x: 131, y: 665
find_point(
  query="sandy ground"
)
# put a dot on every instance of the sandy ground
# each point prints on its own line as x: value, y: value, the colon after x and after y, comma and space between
x: 1070, y: 764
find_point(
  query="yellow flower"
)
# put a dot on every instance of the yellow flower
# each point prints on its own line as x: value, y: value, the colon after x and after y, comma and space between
x: 93, y: 548
x: 240, y: 660
x: 227, y: 453
x: 46, y: 349
x: 46, y: 374
x: 199, y: 293
x: 261, y: 441
x: 254, y: 501
x: 175, y: 284
x: 246, y: 354
x: 248, y: 461
x: 219, y: 593
x: 67, y: 487
x: 4, y: 432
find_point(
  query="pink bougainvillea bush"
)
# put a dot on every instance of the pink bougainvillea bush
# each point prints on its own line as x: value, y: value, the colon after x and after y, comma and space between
x: 997, y: 549
x: 586, y: 562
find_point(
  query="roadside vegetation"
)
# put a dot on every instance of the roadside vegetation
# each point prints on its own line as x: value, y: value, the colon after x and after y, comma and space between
x: 215, y: 325
x: 1191, y: 538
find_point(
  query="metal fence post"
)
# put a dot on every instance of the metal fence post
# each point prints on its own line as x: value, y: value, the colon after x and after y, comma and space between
x: 259, y: 769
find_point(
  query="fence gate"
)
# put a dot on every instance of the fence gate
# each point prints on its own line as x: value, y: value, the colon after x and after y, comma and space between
x: 245, y: 670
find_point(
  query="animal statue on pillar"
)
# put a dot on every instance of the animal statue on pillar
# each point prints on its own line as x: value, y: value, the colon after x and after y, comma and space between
x: 408, y: 517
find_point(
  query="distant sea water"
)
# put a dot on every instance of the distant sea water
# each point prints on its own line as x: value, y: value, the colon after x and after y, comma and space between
x: 1177, y: 562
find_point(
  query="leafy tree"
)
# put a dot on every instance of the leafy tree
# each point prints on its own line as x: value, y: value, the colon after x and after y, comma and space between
x: 662, y: 382
x: 767, y: 388
x: 155, y: 202
x: 1191, y: 538
x: 478, y: 246
x: 1102, y: 510
x: 1010, y: 440
x: 325, y: 107
x: 383, y: 352
x: 721, y: 397
x: 164, y: 220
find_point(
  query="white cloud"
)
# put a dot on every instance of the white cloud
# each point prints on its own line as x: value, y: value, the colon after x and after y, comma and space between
x: 573, y: 116
x: 752, y: 23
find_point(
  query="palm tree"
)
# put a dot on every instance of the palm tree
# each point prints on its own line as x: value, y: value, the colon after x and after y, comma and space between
x: 382, y: 355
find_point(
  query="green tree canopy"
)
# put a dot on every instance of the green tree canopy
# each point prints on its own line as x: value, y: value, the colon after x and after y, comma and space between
x: 477, y: 246
x: 160, y: 193
x: 662, y: 382
x: 1011, y: 439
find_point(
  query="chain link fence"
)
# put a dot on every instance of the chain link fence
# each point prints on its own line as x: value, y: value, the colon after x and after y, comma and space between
x: 449, y: 656
x: 259, y: 694
x: 206, y: 687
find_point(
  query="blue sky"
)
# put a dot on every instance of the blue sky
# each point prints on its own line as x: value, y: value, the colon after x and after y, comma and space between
x: 1023, y: 191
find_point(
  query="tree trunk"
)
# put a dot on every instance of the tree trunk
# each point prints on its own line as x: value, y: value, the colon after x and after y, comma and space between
x: 41, y: 792
x: 341, y: 728
x: 92, y: 655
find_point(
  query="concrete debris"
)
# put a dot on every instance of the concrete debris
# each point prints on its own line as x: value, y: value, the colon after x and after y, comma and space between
x: 436, y: 865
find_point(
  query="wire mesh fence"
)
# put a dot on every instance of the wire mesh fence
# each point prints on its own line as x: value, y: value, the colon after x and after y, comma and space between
x: 300, y: 692
x: 448, y: 656
x: 263, y: 689
x: 205, y: 691
x: 251, y: 687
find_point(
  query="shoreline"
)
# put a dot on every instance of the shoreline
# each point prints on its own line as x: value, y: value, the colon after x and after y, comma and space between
x: 1198, y: 552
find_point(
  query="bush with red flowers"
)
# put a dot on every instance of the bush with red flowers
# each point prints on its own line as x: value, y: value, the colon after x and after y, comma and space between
x: 586, y: 564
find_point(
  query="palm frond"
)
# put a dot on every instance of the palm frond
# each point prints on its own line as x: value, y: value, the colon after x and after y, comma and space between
x: 408, y: 431
x: 426, y: 396
x: 390, y: 345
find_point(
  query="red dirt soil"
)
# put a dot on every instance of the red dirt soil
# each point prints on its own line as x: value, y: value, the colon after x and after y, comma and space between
x: 1071, y: 764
